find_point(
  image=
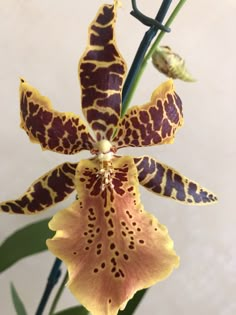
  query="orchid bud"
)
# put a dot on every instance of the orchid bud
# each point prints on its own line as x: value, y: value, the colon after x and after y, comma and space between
x: 171, y: 64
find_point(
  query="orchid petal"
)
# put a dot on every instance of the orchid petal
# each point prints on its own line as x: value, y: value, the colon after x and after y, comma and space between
x: 153, y: 123
x: 46, y: 191
x: 111, y: 246
x: 101, y: 72
x: 61, y: 132
x: 165, y: 181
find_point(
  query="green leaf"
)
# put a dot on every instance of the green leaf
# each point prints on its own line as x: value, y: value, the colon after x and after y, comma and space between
x: 133, y: 303
x: 77, y: 310
x: 24, y: 242
x: 19, y: 306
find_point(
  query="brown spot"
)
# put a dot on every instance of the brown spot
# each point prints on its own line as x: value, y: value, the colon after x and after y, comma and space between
x: 123, y: 233
x: 126, y: 257
x: 113, y: 261
x: 28, y: 93
x: 110, y: 233
x: 122, y: 273
x: 110, y: 223
x: 144, y: 117
x: 174, y: 182
x: 112, y: 246
x: 171, y: 110
x: 91, y: 218
x: 166, y: 128
x: 129, y: 215
x: 91, y: 211
x: 113, y: 210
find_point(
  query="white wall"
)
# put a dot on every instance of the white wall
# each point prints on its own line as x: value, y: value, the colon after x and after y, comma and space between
x: 42, y: 40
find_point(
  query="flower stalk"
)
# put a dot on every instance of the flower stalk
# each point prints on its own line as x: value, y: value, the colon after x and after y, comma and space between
x: 140, y: 64
x: 58, y: 295
x: 53, y: 278
x: 133, y: 76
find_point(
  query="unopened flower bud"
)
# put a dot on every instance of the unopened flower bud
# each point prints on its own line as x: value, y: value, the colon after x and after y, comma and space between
x: 171, y: 64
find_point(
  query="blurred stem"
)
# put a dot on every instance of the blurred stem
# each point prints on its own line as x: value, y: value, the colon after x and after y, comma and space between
x: 52, y: 281
x: 133, y: 303
x: 142, y: 65
x: 161, y: 35
x: 134, y: 72
x: 58, y: 295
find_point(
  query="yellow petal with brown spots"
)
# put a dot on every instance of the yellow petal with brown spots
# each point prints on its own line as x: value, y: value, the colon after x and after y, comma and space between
x: 60, y: 132
x: 167, y: 182
x: 101, y: 72
x: 46, y: 191
x: 153, y: 123
x: 110, y: 244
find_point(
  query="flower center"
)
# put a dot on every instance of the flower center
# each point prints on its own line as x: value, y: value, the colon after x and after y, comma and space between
x: 105, y: 151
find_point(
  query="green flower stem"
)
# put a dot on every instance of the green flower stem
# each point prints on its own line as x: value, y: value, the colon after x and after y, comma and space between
x: 128, y: 88
x: 162, y: 33
x: 149, y: 55
x: 133, y: 303
x: 58, y: 295
x: 52, y: 280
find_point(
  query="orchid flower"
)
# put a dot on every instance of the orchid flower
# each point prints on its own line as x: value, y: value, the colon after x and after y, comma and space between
x: 111, y: 246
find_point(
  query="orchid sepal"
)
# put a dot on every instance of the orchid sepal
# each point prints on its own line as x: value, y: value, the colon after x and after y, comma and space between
x: 167, y: 182
x: 55, y: 131
x: 153, y: 123
x: 101, y: 72
x: 51, y: 188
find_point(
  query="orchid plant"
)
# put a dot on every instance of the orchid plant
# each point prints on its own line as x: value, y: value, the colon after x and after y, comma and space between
x: 111, y: 246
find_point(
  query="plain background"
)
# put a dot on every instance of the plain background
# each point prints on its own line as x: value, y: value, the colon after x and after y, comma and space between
x: 42, y: 40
